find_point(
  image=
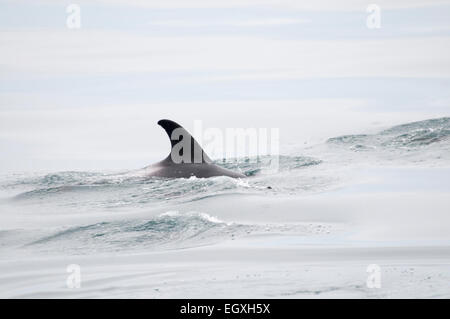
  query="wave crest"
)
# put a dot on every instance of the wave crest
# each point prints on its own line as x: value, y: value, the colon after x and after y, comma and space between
x: 410, y: 135
x: 169, y: 230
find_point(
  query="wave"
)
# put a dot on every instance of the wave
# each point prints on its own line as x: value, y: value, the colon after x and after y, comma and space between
x: 134, y: 188
x: 167, y: 230
x: 408, y: 136
x: 171, y: 230
x: 256, y: 165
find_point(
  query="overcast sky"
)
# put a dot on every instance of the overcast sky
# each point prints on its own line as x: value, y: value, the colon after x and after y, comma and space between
x: 89, y: 98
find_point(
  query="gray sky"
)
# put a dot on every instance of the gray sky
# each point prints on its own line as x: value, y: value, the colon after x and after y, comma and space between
x: 90, y: 98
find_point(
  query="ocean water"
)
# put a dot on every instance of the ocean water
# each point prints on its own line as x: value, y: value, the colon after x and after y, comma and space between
x: 382, y: 191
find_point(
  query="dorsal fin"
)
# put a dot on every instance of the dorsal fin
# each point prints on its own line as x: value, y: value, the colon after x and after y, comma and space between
x: 177, y: 134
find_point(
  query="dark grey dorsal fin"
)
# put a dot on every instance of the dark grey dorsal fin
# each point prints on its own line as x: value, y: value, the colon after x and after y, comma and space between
x: 180, y: 148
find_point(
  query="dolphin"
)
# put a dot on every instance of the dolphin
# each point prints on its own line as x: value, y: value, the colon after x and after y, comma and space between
x: 186, y: 158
